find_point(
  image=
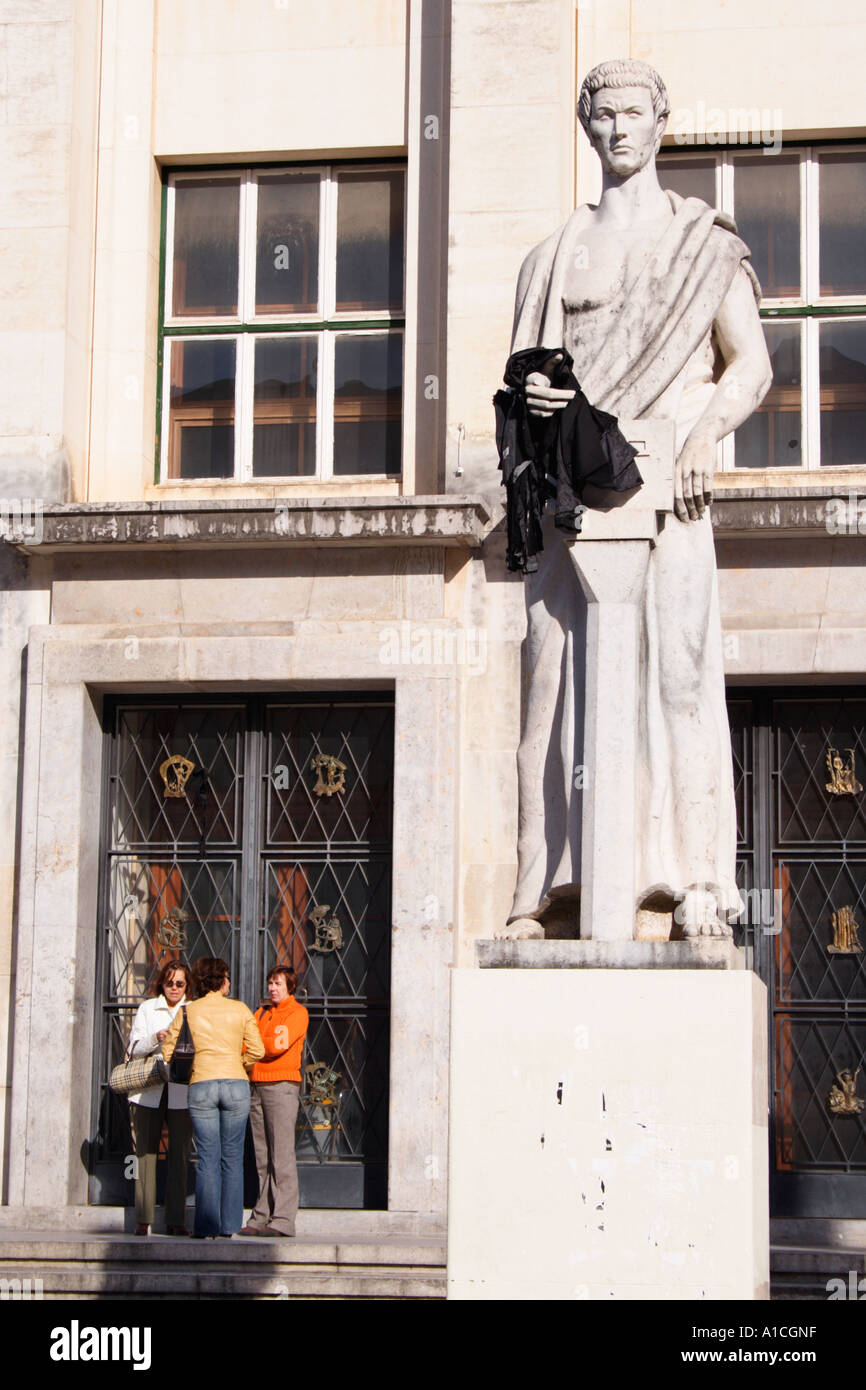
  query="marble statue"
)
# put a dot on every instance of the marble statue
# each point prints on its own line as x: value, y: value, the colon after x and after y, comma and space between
x: 654, y: 297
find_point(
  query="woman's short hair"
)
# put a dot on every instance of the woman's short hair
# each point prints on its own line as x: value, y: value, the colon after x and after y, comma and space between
x: 290, y: 976
x: 208, y: 974
x: 171, y: 969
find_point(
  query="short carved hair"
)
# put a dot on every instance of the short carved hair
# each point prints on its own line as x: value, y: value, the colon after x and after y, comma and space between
x: 622, y: 72
x: 208, y: 974
x: 290, y: 976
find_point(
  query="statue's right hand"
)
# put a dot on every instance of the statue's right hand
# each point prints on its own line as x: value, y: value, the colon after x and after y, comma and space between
x: 542, y: 398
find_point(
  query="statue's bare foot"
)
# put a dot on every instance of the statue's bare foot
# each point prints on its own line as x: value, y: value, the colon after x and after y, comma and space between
x: 521, y: 929
x: 699, y: 914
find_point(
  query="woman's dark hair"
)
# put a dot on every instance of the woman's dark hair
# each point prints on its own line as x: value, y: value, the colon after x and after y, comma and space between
x: 208, y: 974
x: 171, y: 969
x: 290, y: 976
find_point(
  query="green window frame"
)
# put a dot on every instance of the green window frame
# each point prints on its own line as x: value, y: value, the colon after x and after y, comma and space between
x: 263, y: 379
x: 802, y: 212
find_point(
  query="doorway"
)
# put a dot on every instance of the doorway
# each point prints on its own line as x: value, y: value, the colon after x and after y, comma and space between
x: 258, y: 829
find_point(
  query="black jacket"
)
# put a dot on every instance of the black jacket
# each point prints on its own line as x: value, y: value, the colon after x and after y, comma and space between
x: 555, y: 456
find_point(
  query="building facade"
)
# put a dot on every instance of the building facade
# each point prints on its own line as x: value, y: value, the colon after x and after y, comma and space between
x: 259, y: 281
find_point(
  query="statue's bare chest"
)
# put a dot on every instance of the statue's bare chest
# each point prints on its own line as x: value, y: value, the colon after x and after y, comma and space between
x: 606, y: 263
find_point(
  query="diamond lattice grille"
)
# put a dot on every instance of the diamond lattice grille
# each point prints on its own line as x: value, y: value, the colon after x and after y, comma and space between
x: 243, y: 865
x: 359, y: 737
x: 806, y: 812
x: 805, y: 969
x: 209, y: 812
x: 810, y: 1054
x: 355, y: 1047
x: 357, y: 894
x: 146, y: 896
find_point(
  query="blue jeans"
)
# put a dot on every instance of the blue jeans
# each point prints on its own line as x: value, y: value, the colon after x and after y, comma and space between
x: 219, y: 1111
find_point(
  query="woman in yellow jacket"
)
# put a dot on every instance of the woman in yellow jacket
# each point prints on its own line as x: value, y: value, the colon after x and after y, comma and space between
x: 227, y: 1044
x: 274, y: 1107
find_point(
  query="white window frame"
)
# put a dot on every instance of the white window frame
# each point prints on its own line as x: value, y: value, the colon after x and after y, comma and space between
x: 324, y: 324
x: 810, y: 298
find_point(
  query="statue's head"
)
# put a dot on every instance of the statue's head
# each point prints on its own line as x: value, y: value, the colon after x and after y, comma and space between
x: 623, y: 107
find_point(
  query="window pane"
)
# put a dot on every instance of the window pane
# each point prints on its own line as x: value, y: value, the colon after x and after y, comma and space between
x: 202, y: 409
x: 368, y: 381
x: 842, y: 199
x: 205, y: 266
x: 284, y: 408
x: 370, y: 241
x: 287, y: 244
x: 772, y: 437
x: 767, y: 211
x: 843, y: 393
x: 691, y: 178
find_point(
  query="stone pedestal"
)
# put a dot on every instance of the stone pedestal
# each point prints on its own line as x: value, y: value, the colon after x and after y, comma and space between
x: 611, y: 556
x: 608, y: 1132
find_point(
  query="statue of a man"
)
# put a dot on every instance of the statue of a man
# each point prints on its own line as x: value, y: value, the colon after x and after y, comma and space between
x: 654, y: 298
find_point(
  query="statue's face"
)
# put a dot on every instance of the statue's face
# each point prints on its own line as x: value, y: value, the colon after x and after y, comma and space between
x: 623, y: 129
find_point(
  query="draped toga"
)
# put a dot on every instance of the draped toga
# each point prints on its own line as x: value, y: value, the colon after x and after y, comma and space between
x: 657, y: 361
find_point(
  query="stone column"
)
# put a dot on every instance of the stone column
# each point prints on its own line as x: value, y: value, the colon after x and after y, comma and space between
x: 612, y: 576
x: 611, y: 557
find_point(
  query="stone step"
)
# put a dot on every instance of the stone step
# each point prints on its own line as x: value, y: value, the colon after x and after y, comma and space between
x: 792, y: 1259
x: 827, y: 1233
x: 182, y: 1281
x: 802, y: 1272
x: 45, y: 1247
x: 117, y: 1265
x: 319, y: 1222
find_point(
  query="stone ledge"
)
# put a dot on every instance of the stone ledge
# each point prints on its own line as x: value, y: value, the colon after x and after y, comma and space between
x: 779, y: 511
x: 702, y: 953
x: 339, y: 521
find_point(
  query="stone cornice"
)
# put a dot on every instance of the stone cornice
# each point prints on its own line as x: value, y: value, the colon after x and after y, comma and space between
x: 787, y: 511
x: 460, y: 521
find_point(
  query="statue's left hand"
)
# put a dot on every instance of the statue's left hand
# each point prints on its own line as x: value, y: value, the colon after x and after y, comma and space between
x: 693, y: 475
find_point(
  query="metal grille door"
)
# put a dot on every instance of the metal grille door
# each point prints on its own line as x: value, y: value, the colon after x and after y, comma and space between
x: 260, y: 831
x: 803, y: 826
x: 326, y: 887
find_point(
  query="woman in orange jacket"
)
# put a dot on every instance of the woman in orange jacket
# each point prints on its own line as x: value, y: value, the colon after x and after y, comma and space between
x: 276, y: 1087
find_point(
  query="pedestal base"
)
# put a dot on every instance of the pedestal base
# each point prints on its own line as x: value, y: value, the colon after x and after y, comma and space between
x: 608, y: 1134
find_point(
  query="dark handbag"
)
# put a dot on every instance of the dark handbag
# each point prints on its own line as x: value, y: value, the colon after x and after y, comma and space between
x: 180, y: 1066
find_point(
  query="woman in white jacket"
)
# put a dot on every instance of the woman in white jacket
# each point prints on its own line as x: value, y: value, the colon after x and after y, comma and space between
x: 164, y: 1103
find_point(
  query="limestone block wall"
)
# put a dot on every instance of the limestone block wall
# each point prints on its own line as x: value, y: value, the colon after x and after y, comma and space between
x: 244, y: 618
x: 511, y: 184
x: 792, y: 609
x: 487, y: 604
x: 211, y: 81
x: 24, y: 600
x: 36, y: 135
x: 731, y: 56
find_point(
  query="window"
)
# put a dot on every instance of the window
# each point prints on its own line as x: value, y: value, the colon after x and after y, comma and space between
x: 802, y: 213
x: 281, y: 337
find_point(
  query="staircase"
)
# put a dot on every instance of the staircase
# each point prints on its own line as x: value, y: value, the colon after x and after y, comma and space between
x: 805, y: 1255
x: 326, y: 1264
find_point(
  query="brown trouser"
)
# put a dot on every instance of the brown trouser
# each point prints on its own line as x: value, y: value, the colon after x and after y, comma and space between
x: 273, y: 1112
x: 147, y: 1122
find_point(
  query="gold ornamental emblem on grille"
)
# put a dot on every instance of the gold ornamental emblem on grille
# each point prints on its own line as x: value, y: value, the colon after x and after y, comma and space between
x: 334, y: 779
x: 170, y: 931
x: 843, y: 1099
x: 842, y: 779
x: 175, y: 773
x: 321, y: 1083
x: 329, y: 933
x: 845, y: 942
